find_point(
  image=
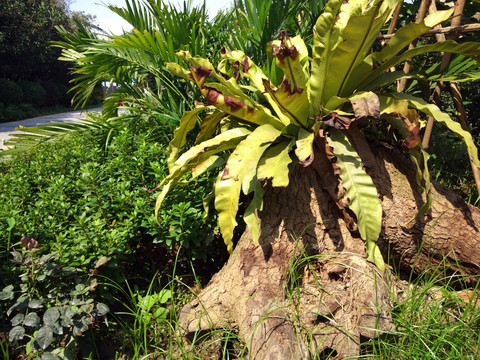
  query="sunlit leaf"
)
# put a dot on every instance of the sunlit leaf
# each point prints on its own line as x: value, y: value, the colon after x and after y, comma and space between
x: 16, y: 333
x: 187, y: 123
x: 359, y: 26
x: 361, y: 192
x: 196, y: 155
x: 275, y: 164
x: 251, y: 213
x: 212, y: 162
x: 240, y: 170
x: 304, y: 145
x: 326, y: 37
x: 45, y: 336
x: 444, y: 119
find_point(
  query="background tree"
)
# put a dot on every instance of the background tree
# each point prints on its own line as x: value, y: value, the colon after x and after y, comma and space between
x: 26, y: 29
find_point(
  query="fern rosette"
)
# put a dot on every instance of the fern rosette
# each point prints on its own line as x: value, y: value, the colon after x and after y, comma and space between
x: 265, y: 129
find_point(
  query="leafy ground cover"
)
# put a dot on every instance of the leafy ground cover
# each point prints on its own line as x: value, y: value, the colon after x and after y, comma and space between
x: 88, y: 213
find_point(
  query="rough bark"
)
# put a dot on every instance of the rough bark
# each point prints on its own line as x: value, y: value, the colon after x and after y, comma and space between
x: 339, y: 297
x: 446, y: 239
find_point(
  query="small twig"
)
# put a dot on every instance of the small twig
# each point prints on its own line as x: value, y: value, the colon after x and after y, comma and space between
x: 422, y: 11
x: 446, y: 30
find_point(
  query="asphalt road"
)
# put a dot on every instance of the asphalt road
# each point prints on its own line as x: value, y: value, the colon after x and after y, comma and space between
x: 9, y: 128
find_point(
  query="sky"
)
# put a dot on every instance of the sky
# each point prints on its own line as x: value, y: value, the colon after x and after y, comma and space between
x: 111, y: 22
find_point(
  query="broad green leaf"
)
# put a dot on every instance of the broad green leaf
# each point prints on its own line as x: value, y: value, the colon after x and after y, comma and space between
x: 35, y: 304
x: 196, y: 155
x: 358, y: 36
x: 234, y: 91
x: 160, y: 314
x: 240, y: 170
x: 44, y: 336
x: 395, y: 45
x: 17, y: 319
x: 391, y: 105
x: 388, y: 78
x: 32, y: 320
x: 11, y: 224
x: 147, y: 302
x: 212, y: 162
x: 16, y: 333
x: 251, y: 213
x: 293, y: 106
x: 102, y: 309
x: 374, y: 255
x: 291, y: 55
x: 203, y: 69
x: 209, y: 125
x: 244, y: 108
x: 370, y: 70
x: 304, y: 145
x: 227, y: 193
x: 229, y: 138
x: 177, y: 70
x: 164, y: 296
x: 326, y: 37
x: 235, y: 63
x: 260, y: 82
x: 274, y: 164
x: 444, y: 119
x: 7, y: 293
x: 243, y: 161
x: 408, y: 33
x: 187, y: 123
x: 51, y: 316
x: 361, y: 192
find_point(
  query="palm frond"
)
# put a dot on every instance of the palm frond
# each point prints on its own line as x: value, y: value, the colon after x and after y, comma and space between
x: 32, y: 137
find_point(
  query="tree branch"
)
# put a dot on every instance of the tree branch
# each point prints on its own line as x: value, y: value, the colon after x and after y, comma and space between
x: 446, y: 30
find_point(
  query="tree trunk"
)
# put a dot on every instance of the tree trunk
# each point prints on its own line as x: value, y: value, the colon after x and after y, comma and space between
x: 446, y: 240
x: 308, y: 245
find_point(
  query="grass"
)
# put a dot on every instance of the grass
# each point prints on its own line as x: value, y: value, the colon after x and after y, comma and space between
x: 432, y: 322
x: 143, y: 335
x: 432, y: 319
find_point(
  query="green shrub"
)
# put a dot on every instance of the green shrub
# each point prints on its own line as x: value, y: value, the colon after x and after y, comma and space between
x: 97, y: 95
x: 65, y: 97
x: 53, y: 304
x: 55, y: 95
x: 11, y: 113
x: 85, y: 204
x: 17, y: 112
x: 33, y: 93
x: 29, y: 110
x: 10, y: 93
